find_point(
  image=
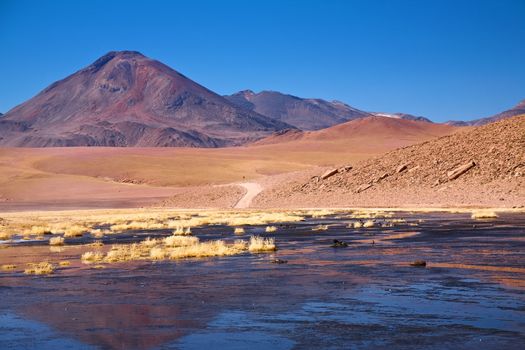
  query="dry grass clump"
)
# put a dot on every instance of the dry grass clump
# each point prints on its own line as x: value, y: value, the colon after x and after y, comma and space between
x: 178, y: 247
x: 56, y: 241
x: 368, y: 223
x: 320, y: 228
x: 96, y: 244
x: 64, y: 263
x: 157, y: 253
x: 180, y: 241
x: 4, y: 236
x: 270, y: 229
x: 260, y: 244
x: 97, y: 233
x: 150, y: 242
x: 92, y: 257
x: 43, y: 268
x: 484, y: 214
x: 207, y: 249
x: 137, y: 225
x: 321, y: 213
x: 238, y: 231
x: 40, y: 230
x: 75, y: 231
x: 8, y: 267
x: 358, y: 224
x: 119, y: 253
x: 181, y: 231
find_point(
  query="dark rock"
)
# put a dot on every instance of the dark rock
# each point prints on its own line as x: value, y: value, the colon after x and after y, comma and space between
x: 402, y: 168
x: 419, y: 263
x: 279, y: 261
x: 339, y: 244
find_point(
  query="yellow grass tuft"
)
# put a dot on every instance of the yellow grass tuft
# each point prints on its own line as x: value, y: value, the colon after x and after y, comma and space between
x: 92, y: 257
x: 368, y: 223
x: 320, y: 228
x: 260, y: 244
x: 320, y: 213
x: 148, y: 224
x: 75, y: 231
x: 43, y: 268
x: 8, y: 267
x: 149, y: 242
x: 40, y: 230
x: 56, y: 241
x: 180, y: 241
x: 157, y: 253
x: 97, y: 233
x: 358, y: 224
x: 240, y: 244
x: 64, y: 263
x: 119, y: 253
x: 96, y: 244
x: 484, y: 214
x: 238, y: 231
x: 270, y: 229
x: 4, y: 236
x: 206, y: 249
x: 181, y: 231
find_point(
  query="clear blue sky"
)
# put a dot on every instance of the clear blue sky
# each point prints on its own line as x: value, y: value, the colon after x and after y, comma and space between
x: 441, y: 59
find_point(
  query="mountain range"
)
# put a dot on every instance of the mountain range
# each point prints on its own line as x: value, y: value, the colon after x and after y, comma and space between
x: 514, y: 111
x: 127, y: 99
x: 303, y: 113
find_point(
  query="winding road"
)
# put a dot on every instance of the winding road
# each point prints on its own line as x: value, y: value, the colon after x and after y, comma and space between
x: 252, y: 190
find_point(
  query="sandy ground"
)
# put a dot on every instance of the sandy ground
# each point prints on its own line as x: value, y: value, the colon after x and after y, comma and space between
x: 87, y: 177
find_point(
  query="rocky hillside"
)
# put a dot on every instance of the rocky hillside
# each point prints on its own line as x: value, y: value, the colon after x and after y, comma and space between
x: 127, y: 99
x: 482, y: 166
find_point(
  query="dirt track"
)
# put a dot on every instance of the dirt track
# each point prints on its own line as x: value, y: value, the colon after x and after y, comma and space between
x: 252, y: 190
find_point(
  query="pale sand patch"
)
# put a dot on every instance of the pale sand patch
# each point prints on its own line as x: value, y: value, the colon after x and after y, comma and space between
x: 252, y: 190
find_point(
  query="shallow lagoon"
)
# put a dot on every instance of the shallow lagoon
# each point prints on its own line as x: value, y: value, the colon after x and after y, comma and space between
x: 470, y: 295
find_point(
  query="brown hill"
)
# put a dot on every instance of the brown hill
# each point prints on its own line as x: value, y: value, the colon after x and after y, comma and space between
x: 303, y: 113
x: 370, y: 130
x: 127, y: 99
x: 424, y: 174
x: 76, y: 177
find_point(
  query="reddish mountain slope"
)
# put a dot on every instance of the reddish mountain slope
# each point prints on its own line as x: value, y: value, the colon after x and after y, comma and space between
x: 371, y: 129
x: 127, y: 99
